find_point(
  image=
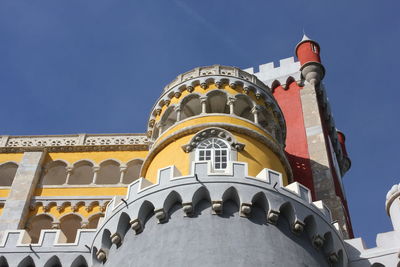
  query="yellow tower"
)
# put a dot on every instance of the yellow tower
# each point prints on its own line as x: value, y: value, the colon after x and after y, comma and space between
x: 217, y: 114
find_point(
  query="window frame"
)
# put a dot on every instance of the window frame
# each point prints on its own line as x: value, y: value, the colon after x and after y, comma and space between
x: 218, y: 156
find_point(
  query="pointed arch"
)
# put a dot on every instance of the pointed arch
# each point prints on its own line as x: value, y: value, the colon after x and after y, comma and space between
x: 287, y: 211
x: 82, y: 173
x: 80, y: 261
x: 310, y: 226
x: 231, y: 194
x: 260, y: 200
x: 3, y: 262
x: 106, y: 240
x: 201, y: 194
x: 53, y: 262
x: 109, y: 172
x: 27, y: 262
x: 7, y: 173
x: 123, y: 224
x: 171, y: 200
x: 145, y: 212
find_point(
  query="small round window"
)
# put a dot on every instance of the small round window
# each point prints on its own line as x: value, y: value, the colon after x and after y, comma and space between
x: 214, y: 150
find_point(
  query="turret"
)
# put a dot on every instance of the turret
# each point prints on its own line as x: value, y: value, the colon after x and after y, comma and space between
x: 307, y: 52
x: 218, y: 114
x: 393, y: 206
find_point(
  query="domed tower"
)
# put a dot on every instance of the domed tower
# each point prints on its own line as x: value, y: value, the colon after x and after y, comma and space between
x: 216, y: 186
x: 217, y: 114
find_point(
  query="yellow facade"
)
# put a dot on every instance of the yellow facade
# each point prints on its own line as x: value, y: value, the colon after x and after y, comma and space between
x: 14, y: 157
x: 80, y: 191
x: 256, y: 154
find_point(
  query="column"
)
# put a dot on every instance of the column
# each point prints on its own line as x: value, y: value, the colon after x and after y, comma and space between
x: 69, y: 172
x: 178, y: 113
x: 123, y: 171
x: 96, y: 170
x: 203, y: 101
x: 255, y: 113
x: 26, y: 178
x: 231, y: 101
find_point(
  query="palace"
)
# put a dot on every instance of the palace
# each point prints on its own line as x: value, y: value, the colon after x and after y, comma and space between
x: 238, y: 167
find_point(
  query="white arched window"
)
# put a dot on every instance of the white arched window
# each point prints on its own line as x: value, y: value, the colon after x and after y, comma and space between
x: 214, y: 150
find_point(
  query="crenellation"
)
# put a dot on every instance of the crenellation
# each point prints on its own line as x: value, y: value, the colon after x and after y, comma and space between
x: 215, y: 173
x: 268, y: 73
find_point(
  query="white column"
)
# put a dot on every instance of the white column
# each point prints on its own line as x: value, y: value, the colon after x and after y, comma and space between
x: 69, y: 172
x: 231, y: 102
x: 96, y: 170
x: 255, y: 113
x: 123, y: 171
x: 203, y: 101
x: 178, y: 113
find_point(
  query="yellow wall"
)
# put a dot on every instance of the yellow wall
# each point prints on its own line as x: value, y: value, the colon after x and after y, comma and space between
x: 172, y: 154
x: 4, y: 192
x: 213, y: 118
x: 81, y: 191
x: 257, y: 155
x: 97, y: 156
x: 5, y: 157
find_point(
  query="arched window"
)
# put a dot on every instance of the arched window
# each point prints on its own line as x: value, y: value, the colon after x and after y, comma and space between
x: 132, y: 171
x: 7, y: 173
x: 109, y: 173
x: 82, y: 173
x: 55, y: 173
x: 214, y: 150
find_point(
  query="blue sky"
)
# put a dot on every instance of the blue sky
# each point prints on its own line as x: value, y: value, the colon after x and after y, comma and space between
x: 98, y: 66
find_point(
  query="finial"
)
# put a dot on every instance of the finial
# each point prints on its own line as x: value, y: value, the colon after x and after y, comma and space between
x: 305, y: 38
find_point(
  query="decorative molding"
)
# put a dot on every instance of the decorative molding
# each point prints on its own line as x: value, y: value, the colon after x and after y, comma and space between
x: 215, y: 70
x: 78, y: 142
x: 268, y: 140
x: 209, y: 133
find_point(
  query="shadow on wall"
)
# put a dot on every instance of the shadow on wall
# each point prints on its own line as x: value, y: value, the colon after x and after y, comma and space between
x: 84, y: 172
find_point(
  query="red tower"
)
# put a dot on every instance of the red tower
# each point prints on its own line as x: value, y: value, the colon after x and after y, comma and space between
x: 308, y: 53
x: 314, y: 147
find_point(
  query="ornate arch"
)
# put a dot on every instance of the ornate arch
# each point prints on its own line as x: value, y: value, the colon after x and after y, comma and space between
x: 209, y: 133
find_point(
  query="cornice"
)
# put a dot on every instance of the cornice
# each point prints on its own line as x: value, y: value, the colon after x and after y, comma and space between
x: 74, y: 143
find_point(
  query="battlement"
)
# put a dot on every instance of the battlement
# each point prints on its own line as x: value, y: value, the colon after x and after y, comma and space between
x: 269, y: 74
x: 15, y: 248
x: 385, y: 252
x: 264, y: 195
